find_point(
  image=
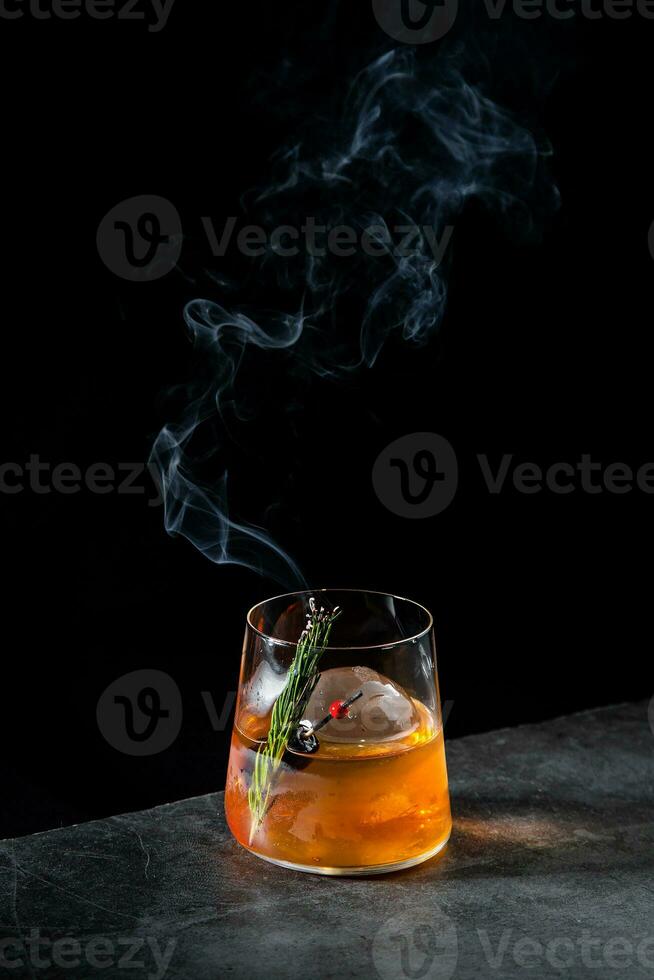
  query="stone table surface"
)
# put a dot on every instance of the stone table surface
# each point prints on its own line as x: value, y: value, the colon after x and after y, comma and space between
x: 548, y: 874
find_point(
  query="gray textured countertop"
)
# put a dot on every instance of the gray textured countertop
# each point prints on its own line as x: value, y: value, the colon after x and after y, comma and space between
x: 548, y: 874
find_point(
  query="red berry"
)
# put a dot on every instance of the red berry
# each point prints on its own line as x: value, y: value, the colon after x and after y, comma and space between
x: 337, y: 710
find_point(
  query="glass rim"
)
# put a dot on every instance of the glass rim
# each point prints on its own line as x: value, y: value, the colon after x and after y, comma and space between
x: 365, y: 646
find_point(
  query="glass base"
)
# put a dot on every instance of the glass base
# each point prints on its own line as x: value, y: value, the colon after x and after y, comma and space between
x: 373, y: 869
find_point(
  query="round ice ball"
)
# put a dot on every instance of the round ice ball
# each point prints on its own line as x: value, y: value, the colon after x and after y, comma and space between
x: 383, y: 713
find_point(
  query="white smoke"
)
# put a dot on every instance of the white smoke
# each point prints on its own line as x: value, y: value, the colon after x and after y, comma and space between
x: 415, y: 142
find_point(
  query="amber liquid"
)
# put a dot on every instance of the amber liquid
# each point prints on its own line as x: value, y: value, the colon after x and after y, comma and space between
x: 351, y: 806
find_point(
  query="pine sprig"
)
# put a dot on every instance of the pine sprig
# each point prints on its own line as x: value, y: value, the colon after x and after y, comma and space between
x: 288, y: 708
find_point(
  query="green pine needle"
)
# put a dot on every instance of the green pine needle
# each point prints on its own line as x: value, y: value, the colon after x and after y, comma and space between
x: 288, y: 709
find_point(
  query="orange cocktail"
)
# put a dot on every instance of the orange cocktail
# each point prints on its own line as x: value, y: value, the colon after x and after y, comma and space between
x: 348, y: 805
x: 359, y: 784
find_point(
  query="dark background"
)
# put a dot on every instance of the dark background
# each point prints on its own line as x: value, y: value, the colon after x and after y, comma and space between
x: 542, y: 603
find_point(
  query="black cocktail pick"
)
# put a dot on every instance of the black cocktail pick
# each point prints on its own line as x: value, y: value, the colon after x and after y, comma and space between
x: 305, y: 738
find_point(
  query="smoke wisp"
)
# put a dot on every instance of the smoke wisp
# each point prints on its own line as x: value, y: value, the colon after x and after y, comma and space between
x: 415, y: 142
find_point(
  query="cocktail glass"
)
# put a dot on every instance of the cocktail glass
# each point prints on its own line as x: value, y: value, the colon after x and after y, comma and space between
x: 362, y: 786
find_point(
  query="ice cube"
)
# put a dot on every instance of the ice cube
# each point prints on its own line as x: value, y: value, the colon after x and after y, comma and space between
x: 263, y: 689
x: 383, y: 713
